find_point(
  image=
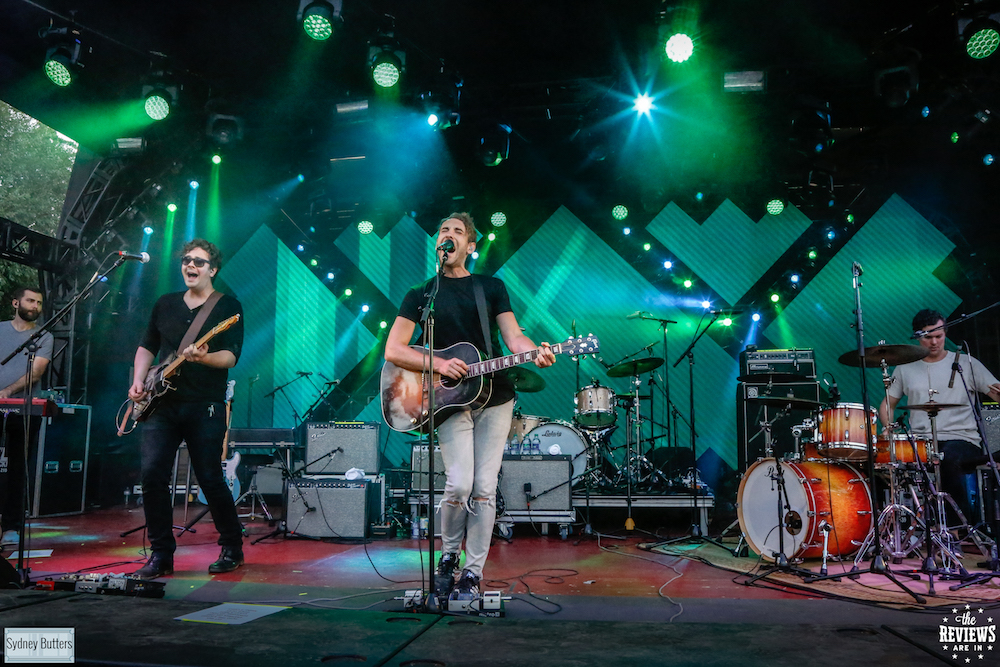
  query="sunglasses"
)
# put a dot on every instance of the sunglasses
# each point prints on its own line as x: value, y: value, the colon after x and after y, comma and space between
x: 197, y: 261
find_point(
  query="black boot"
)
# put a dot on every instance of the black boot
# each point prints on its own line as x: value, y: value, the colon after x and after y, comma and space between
x: 158, y: 565
x: 229, y: 559
x: 444, y: 577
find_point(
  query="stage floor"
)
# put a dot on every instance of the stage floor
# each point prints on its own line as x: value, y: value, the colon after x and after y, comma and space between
x: 601, y: 600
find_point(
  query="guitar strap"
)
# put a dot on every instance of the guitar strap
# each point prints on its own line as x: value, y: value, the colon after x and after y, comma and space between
x: 477, y: 287
x: 199, y: 321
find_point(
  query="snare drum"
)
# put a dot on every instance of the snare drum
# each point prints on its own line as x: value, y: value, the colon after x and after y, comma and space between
x: 569, y: 441
x: 816, y: 492
x: 595, y: 407
x: 840, y: 433
x: 902, y: 448
x: 520, y: 425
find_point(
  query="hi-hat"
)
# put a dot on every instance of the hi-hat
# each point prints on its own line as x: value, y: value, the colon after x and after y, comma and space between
x: 789, y: 402
x: 930, y: 406
x: 525, y: 380
x: 635, y: 367
x: 894, y: 355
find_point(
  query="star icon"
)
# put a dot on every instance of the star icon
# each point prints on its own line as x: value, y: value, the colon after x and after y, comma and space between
x: 968, y: 606
x: 944, y: 620
x: 980, y: 610
x: 954, y: 657
x: 980, y: 656
x: 989, y: 620
x: 954, y: 611
x: 968, y: 660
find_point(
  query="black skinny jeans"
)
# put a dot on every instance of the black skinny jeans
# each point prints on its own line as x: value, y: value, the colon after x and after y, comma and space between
x: 202, y: 425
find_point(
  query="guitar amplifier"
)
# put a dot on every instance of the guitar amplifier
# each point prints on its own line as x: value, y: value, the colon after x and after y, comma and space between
x: 418, y: 464
x: 991, y: 424
x: 542, y: 481
x: 764, y: 362
x: 333, y: 448
x: 332, y: 507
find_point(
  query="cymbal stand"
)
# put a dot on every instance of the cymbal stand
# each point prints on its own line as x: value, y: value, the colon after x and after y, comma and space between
x: 878, y: 565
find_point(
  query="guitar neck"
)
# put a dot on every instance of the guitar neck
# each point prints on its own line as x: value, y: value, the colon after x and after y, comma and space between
x: 511, y: 360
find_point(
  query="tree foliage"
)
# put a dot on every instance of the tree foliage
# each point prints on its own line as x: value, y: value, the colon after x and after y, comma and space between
x: 35, y: 167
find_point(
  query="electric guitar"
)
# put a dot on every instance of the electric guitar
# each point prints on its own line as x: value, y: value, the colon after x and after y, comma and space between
x: 157, y: 382
x: 405, y: 393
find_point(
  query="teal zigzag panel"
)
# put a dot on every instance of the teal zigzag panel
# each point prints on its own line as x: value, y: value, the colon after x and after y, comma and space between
x: 729, y: 251
x: 898, y: 251
x: 564, y: 274
x: 290, y: 315
x: 395, y: 263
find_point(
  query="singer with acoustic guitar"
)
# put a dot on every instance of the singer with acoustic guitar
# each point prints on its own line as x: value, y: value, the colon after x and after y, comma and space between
x: 472, y: 437
x: 193, y: 410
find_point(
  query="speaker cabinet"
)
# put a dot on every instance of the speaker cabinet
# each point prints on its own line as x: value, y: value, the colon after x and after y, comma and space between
x: 991, y: 424
x: 418, y: 463
x: 60, y: 471
x: 333, y: 448
x: 750, y: 413
x: 544, y: 481
x: 327, y: 507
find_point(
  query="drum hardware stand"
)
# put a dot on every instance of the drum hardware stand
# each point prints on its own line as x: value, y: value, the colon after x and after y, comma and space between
x: 288, y: 478
x: 878, y: 565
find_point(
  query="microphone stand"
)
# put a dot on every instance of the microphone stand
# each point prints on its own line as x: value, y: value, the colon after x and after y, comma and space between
x: 878, y: 564
x: 281, y: 388
x: 665, y: 410
x: 695, y: 530
x: 31, y: 344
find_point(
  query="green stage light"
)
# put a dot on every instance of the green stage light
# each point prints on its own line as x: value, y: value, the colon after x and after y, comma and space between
x: 775, y: 298
x: 775, y: 207
x: 366, y: 227
x: 619, y: 212
x: 58, y: 72
x: 812, y: 254
x: 679, y: 47
x: 348, y: 292
x: 385, y: 72
x: 172, y: 207
x: 158, y: 104
x: 688, y: 284
x: 727, y: 322
x: 983, y: 38
x: 216, y: 159
x: 647, y: 246
x: 62, y: 58
x: 492, y: 236
x: 498, y: 219
x: 318, y: 18
x: 314, y: 262
x: 383, y: 324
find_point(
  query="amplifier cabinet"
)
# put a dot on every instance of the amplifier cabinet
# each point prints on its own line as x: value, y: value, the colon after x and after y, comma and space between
x: 762, y: 362
x: 329, y: 507
x: 544, y: 481
x: 750, y: 413
x: 418, y: 464
x: 991, y: 424
x: 60, y: 470
x: 333, y: 448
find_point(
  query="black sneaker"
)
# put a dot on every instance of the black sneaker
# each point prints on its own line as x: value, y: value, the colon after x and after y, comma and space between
x: 229, y: 559
x: 158, y: 565
x: 444, y: 577
x: 467, y: 584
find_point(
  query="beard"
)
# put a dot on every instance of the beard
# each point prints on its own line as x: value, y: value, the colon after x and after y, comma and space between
x: 28, y: 315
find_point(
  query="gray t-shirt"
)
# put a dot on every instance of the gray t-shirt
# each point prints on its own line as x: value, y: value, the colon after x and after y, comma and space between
x: 14, y: 369
x: 915, y: 379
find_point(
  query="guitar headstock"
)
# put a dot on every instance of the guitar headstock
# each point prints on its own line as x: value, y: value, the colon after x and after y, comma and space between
x: 224, y: 324
x: 581, y: 345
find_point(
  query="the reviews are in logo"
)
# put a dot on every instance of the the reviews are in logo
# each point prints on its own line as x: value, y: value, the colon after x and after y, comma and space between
x: 965, y: 636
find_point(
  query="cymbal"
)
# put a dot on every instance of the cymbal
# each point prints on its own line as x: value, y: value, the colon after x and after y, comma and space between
x: 894, y: 355
x: 525, y: 380
x: 930, y: 406
x: 772, y: 378
x: 634, y: 367
x: 788, y: 401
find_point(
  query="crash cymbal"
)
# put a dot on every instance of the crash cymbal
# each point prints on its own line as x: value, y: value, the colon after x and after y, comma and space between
x: 788, y: 401
x: 634, y: 367
x: 525, y: 380
x: 894, y: 355
x: 772, y: 378
x: 930, y: 406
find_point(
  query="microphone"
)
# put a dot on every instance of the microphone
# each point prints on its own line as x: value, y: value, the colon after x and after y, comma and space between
x: 303, y: 373
x: 918, y: 334
x: 600, y: 360
x: 834, y: 391
x: 954, y: 369
x: 141, y: 257
x: 649, y: 348
x: 447, y: 246
x: 856, y: 267
x: 634, y: 316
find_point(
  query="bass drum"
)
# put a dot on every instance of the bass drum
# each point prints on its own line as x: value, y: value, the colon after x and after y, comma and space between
x: 569, y: 441
x: 817, y: 491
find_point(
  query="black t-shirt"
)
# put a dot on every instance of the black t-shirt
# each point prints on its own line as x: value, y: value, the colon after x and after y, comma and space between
x: 456, y: 319
x: 167, y: 325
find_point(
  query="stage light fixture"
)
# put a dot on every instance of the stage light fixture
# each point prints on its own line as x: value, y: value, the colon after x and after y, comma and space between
x: 812, y: 254
x: 159, y: 95
x: 688, y: 284
x: 619, y: 212
x: 755, y: 317
x: 348, y: 292
x: 626, y: 231
x: 667, y: 264
x: 643, y: 104
x: 676, y: 23
x: 830, y: 233
x: 775, y: 297
x: 301, y: 178
x: 366, y: 227
x: 896, y: 76
x: 706, y: 304
x: 679, y: 47
x: 62, y: 58
x: 979, y: 33
x: 216, y: 159
x: 193, y: 185
x: 441, y: 100
x: 383, y: 324
x: 319, y: 18
x: 775, y: 206
x: 365, y: 308
x: 794, y: 278
x: 330, y: 275
x: 498, y: 219
x: 726, y: 322
x: 492, y: 236
x: 126, y: 146
x: 386, y: 60
x: 750, y: 81
x: 224, y: 130
x: 494, y: 145
x: 647, y: 246
x: 988, y: 159
x: 300, y: 248
x: 172, y: 207
x: 811, y: 131
x: 475, y: 254
x: 147, y: 230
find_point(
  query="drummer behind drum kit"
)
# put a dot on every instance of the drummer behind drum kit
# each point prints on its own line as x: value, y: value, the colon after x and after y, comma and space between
x: 825, y: 506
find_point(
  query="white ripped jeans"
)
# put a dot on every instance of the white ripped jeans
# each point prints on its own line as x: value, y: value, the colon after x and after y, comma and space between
x: 472, y: 444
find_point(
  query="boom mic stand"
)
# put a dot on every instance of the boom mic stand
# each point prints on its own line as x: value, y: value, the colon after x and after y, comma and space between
x: 878, y: 565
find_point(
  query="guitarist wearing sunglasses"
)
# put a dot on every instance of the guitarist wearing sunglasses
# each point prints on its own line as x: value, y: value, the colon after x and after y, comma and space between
x: 193, y: 410
x: 472, y: 438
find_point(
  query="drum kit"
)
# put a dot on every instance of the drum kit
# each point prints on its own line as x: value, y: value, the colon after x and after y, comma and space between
x: 587, y: 438
x: 817, y: 502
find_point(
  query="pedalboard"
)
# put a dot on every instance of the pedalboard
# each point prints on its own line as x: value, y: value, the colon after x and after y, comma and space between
x: 489, y: 604
x: 104, y: 584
